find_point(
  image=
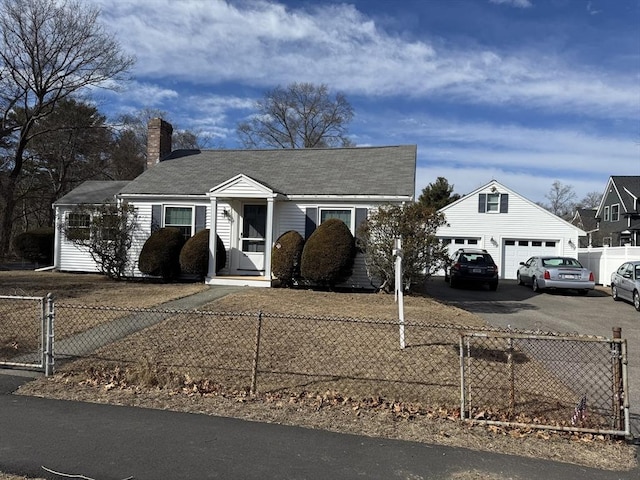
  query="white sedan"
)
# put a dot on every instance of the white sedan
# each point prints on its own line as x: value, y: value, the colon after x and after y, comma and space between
x: 556, y: 273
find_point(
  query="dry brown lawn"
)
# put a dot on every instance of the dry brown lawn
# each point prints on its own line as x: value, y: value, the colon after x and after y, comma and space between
x: 330, y: 405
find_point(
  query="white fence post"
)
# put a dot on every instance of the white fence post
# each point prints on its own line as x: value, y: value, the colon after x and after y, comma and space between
x: 397, y: 251
x: 49, y: 357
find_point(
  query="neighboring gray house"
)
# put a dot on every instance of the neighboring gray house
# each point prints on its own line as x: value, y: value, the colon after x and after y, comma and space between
x: 618, y: 215
x: 585, y: 219
x: 249, y: 198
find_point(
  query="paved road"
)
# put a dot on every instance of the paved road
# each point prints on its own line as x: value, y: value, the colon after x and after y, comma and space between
x: 519, y: 307
x: 108, y: 442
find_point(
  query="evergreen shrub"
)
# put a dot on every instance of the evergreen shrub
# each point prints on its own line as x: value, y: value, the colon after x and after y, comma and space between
x: 328, y: 254
x: 194, y: 256
x: 160, y: 255
x: 36, y: 245
x: 285, y: 257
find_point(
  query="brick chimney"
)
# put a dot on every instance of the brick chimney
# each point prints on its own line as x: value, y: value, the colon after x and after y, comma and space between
x: 158, y: 140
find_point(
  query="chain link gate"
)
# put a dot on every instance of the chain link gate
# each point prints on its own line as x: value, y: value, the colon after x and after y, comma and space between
x: 545, y: 381
x: 26, y: 332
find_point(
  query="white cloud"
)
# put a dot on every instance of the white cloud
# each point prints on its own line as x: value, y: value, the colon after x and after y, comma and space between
x: 261, y: 44
x: 514, y: 3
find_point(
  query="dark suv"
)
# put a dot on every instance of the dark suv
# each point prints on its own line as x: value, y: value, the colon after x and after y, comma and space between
x: 472, y: 266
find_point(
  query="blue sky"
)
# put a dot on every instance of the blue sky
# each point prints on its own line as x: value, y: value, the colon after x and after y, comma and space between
x: 522, y: 91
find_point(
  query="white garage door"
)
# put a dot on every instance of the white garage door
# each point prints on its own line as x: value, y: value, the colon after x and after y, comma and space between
x: 456, y: 243
x: 516, y: 251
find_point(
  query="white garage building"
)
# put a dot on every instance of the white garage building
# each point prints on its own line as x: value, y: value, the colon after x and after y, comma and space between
x: 507, y: 225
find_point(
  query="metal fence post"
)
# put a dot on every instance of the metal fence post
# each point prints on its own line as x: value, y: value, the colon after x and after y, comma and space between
x: 462, y: 379
x: 50, y: 322
x: 512, y: 378
x: 256, y: 355
x: 618, y: 392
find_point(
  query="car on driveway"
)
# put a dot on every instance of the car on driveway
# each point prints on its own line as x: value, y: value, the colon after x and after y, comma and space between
x: 472, y: 266
x: 561, y: 273
x: 625, y: 283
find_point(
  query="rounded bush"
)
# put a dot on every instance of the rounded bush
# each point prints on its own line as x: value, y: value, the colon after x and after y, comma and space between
x: 160, y: 255
x: 36, y: 245
x: 194, y: 256
x: 285, y: 257
x: 327, y: 257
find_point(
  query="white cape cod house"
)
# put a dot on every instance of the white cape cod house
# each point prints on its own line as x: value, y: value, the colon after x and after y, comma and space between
x: 248, y: 198
x: 507, y: 225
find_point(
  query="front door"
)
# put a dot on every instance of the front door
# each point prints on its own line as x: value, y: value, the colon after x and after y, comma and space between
x: 253, y: 227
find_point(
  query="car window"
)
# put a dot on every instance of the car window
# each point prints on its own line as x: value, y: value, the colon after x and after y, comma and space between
x: 623, y: 268
x: 561, y: 262
x: 637, y: 276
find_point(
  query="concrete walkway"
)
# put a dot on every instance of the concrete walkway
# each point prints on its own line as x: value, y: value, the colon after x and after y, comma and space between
x: 90, y: 340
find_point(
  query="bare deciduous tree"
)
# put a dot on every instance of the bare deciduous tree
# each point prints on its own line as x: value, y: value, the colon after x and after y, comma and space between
x: 49, y: 51
x: 560, y: 199
x: 416, y: 224
x: 591, y: 200
x: 302, y: 115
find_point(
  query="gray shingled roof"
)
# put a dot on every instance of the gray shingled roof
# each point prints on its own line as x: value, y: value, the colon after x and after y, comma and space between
x: 631, y: 183
x: 588, y: 219
x: 335, y: 171
x: 94, y: 192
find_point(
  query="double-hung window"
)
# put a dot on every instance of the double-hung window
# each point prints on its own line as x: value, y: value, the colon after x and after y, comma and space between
x: 615, y: 212
x: 344, y: 214
x: 78, y: 226
x: 493, y: 202
x: 180, y: 218
x: 109, y: 226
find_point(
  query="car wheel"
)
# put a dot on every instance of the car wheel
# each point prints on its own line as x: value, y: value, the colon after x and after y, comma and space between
x: 614, y: 293
x: 453, y: 282
x: 636, y: 300
x: 520, y: 282
x: 583, y: 292
x: 493, y: 286
x: 534, y: 285
x: 446, y: 278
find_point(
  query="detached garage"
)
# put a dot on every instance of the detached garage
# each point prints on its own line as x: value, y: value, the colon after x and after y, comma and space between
x: 507, y: 225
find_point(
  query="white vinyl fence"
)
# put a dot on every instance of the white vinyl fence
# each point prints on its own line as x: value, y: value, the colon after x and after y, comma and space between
x: 603, y: 261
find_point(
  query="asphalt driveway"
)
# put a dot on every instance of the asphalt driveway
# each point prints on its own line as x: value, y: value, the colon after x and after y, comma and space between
x: 566, y: 312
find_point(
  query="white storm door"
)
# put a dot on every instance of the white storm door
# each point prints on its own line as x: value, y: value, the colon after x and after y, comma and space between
x: 253, y: 226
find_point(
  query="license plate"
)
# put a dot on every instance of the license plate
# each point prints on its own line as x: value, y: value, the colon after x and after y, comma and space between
x: 570, y: 276
x: 476, y: 270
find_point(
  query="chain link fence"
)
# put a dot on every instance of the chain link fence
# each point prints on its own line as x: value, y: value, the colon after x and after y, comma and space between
x: 569, y: 383
x: 549, y: 381
x: 23, y: 331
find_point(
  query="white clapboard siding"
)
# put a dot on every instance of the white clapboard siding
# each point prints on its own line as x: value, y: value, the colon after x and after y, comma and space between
x: 524, y: 221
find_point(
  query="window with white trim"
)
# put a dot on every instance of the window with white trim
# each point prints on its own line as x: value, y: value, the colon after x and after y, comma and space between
x: 493, y: 202
x: 78, y: 226
x: 344, y: 214
x: 180, y: 218
x: 615, y: 212
x: 606, y: 214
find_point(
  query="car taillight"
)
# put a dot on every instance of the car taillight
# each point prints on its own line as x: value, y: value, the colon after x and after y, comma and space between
x: 456, y: 266
x: 591, y: 277
x: 547, y: 276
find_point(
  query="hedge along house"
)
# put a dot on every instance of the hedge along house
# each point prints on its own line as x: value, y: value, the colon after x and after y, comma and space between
x: 249, y: 198
x: 507, y: 225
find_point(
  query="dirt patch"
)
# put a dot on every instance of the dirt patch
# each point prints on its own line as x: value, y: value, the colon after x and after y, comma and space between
x: 329, y: 409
